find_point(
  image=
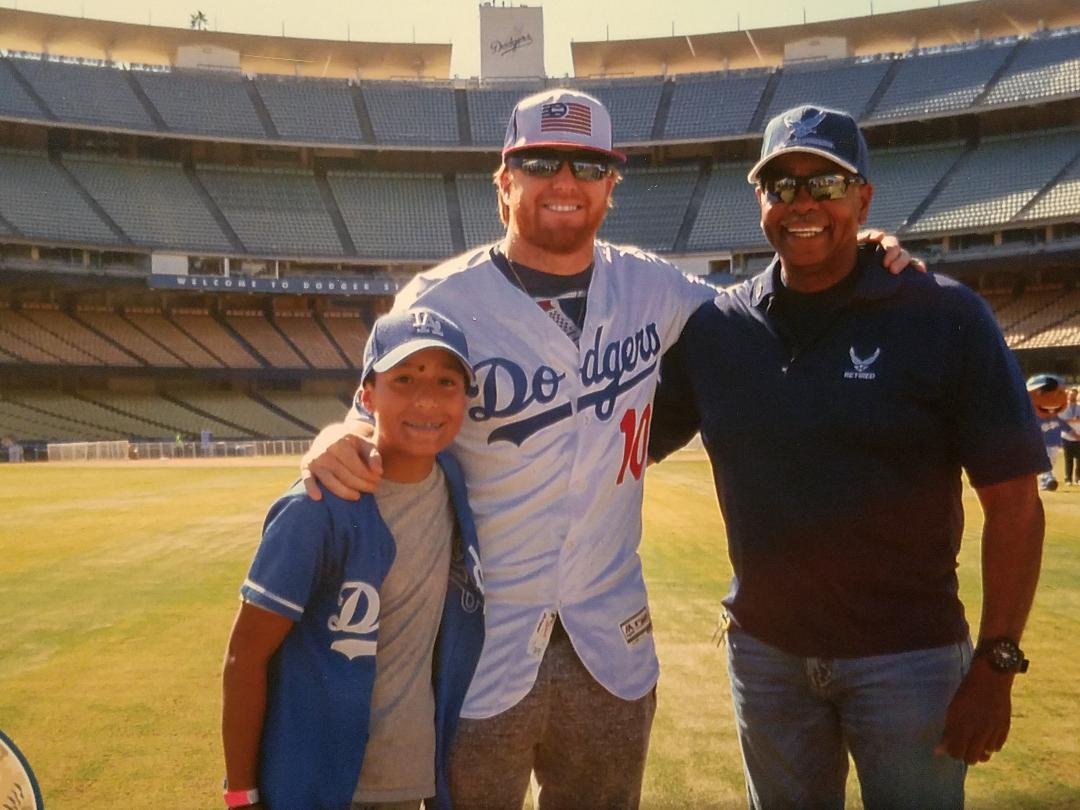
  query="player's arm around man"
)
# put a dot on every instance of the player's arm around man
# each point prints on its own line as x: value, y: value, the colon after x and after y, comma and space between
x: 978, y: 719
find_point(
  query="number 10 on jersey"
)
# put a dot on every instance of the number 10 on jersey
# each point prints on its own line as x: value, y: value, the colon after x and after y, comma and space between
x: 635, y: 442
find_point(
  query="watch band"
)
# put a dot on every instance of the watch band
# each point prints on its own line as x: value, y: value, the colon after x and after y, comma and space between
x: 241, y: 798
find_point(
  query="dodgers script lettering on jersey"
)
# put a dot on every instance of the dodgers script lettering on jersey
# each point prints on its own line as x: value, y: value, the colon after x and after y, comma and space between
x: 608, y: 370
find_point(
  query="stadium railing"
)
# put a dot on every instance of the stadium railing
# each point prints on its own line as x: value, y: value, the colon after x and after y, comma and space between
x: 140, y: 451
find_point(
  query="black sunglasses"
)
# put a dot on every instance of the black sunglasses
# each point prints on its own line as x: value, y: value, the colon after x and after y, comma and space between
x: 583, y: 167
x: 821, y: 187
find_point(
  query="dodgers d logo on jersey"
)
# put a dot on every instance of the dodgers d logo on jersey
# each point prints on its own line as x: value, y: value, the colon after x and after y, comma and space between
x: 610, y: 368
x: 359, y: 615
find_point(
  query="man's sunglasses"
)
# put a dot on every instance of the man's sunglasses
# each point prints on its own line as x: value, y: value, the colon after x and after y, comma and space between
x: 583, y: 167
x: 821, y: 187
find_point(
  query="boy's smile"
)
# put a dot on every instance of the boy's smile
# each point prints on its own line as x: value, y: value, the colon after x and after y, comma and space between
x: 418, y: 405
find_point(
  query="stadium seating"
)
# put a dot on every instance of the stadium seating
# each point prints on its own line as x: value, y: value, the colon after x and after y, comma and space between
x: 176, y: 417
x: 903, y: 178
x: 205, y: 342
x: 75, y: 334
x: 41, y: 202
x: 27, y: 423
x: 729, y: 216
x: 839, y: 85
x: 115, y: 326
x: 170, y: 335
x: 489, y: 110
x: 107, y: 422
x: 306, y: 335
x: 350, y: 332
x: 238, y: 409
x: 309, y: 110
x: 997, y: 180
x: 203, y: 104
x: 479, y: 209
x: 1046, y: 67
x: 27, y: 331
x: 711, y: 105
x: 15, y: 102
x: 633, y: 104
x: 394, y: 215
x: 153, y: 202
x: 940, y: 83
x: 650, y: 205
x: 1061, y: 200
x: 261, y: 335
x: 275, y: 212
x: 315, y: 409
x: 87, y: 95
x: 411, y: 114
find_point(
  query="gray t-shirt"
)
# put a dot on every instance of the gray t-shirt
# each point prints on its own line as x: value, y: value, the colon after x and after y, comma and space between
x: 399, y: 761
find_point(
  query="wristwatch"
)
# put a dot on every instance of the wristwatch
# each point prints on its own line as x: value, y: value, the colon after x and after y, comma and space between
x: 1003, y: 654
x: 241, y: 798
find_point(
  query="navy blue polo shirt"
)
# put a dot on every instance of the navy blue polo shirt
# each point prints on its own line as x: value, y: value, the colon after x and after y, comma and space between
x: 837, y: 455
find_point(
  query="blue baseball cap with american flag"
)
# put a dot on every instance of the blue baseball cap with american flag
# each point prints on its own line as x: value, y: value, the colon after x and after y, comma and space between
x: 557, y: 119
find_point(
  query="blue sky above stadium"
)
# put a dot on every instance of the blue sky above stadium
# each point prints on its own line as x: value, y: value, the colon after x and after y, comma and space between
x: 458, y: 21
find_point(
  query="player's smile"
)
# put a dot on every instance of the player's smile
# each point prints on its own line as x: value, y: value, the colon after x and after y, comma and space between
x: 817, y: 239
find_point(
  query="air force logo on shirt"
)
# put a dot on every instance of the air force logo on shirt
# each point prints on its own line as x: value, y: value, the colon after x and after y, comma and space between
x: 359, y: 615
x: 861, y: 365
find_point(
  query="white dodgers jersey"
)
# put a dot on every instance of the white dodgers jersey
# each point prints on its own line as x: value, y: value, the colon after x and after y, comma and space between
x: 554, y: 450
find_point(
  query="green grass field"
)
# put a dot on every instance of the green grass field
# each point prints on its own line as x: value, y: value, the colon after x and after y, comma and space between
x: 118, y: 585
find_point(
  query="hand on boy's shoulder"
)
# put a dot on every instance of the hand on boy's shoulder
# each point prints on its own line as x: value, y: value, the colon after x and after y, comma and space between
x: 343, y: 460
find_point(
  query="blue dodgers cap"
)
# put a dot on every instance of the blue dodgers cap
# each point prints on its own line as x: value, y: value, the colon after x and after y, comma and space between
x: 401, y: 334
x: 832, y: 134
x: 560, y: 118
x: 1045, y: 382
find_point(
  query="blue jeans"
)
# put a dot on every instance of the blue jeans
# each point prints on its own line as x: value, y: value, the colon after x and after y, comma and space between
x: 799, y: 718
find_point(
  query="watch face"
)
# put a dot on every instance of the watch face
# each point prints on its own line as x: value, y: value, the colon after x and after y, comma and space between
x: 1006, y: 656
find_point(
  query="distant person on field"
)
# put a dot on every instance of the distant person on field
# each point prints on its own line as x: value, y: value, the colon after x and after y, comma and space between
x: 566, y: 333
x: 362, y: 621
x: 865, y: 395
x: 1070, y: 440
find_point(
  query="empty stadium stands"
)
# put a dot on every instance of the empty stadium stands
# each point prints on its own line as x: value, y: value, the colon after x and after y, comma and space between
x: 153, y: 202
x: 712, y: 105
x: 650, y: 206
x: 273, y: 211
x: 489, y: 110
x: 199, y: 103
x: 310, y: 110
x: 633, y: 104
x: 394, y: 214
x: 86, y: 94
x: 412, y: 114
x: 997, y: 180
x: 903, y: 178
x: 933, y: 84
x: 729, y: 216
x: 238, y: 409
x: 1045, y: 67
x: 38, y: 199
x: 479, y: 209
x: 308, y: 337
x: 117, y: 328
x: 15, y: 102
x: 836, y: 85
x: 349, y: 332
x: 263, y: 337
x: 178, y: 338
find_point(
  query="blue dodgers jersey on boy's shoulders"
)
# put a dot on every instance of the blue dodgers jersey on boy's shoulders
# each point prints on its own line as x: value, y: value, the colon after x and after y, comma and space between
x: 321, y: 564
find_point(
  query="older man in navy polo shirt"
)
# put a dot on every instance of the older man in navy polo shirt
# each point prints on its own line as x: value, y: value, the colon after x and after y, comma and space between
x: 875, y: 392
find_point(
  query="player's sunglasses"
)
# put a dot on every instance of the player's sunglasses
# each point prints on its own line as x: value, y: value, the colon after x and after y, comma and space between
x: 821, y: 187
x: 585, y: 167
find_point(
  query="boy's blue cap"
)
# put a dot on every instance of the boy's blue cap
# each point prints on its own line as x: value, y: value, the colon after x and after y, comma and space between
x: 398, y: 335
x: 832, y: 134
x: 1045, y: 383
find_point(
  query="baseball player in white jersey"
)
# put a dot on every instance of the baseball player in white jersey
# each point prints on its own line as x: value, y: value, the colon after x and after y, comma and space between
x: 566, y: 334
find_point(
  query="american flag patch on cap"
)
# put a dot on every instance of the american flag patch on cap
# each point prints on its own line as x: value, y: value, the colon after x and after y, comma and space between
x: 566, y: 117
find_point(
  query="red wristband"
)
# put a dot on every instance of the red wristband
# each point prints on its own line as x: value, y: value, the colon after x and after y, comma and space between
x: 241, y: 798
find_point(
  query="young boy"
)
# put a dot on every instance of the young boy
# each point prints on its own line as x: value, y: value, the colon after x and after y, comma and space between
x: 362, y: 621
